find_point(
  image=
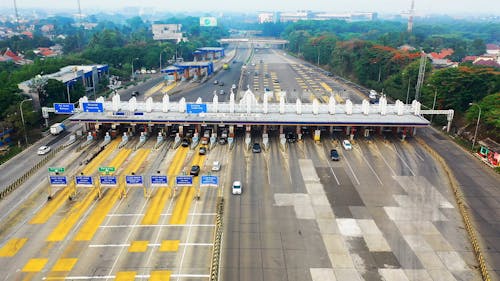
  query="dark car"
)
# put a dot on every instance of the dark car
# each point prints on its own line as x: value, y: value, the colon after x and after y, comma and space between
x: 185, y: 143
x: 203, y: 150
x: 334, y: 154
x: 221, y: 83
x: 291, y: 137
x: 135, y: 94
x: 256, y: 148
x: 195, y: 170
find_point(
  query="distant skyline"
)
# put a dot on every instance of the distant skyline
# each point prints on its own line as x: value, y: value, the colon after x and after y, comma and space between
x: 379, y: 6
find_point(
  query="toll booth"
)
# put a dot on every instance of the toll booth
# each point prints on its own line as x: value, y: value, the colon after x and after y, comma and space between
x: 172, y: 72
x: 208, y: 53
x: 196, y: 67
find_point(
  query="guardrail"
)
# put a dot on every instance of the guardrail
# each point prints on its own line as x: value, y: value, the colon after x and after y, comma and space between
x: 214, y: 265
x: 462, y: 207
x: 14, y: 185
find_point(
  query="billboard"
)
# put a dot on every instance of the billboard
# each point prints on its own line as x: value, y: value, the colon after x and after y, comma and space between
x: 208, y: 21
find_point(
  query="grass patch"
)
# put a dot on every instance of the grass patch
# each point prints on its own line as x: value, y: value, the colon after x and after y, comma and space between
x: 9, y: 153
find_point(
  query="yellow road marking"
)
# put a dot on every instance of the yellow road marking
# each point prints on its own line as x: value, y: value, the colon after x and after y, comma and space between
x: 339, y: 99
x: 125, y: 276
x: 34, y: 265
x: 326, y: 87
x: 169, y: 246
x: 154, y: 89
x: 52, y: 206
x: 163, y: 275
x: 138, y: 246
x: 156, y: 205
x: 168, y: 88
x: 11, y: 248
x: 64, y: 264
x: 326, y: 99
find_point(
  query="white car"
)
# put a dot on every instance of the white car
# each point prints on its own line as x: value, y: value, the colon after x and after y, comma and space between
x: 216, y: 166
x: 236, y: 189
x: 43, y: 150
x: 346, y: 144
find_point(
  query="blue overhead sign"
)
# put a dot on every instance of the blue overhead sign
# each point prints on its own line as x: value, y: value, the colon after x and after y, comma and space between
x: 159, y: 180
x: 196, y: 108
x: 64, y: 108
x: 58, y: 180
x: 134, y: 180
x: 108, y: 180
x: 84, y: 180
x: 184, y: 180
x: 93, y: 107
x: 209, y: 180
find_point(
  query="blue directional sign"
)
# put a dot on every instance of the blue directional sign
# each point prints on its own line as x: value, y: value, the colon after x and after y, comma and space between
x: 134, y: 180
x: 58, y: 180
x: 196, y: 108
x: 159, y: 180
x: 184, y: 180
x: 108, y: 180
x: 209, y: 180
x: 93, y: 107
x: 138, y: 113
x: 84, y: 180
x: 119, y: 113
x: 64, y: 108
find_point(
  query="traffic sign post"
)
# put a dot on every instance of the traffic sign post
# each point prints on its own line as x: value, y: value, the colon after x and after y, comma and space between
x: 209, y: 180
x: 64, y: 108
x: 93, y: 107
x: 58, y: 180
x: 56, y: 170
x: 196, y: 108
x: 133, y: 180
x: 85, y: 181
x: 184, y: 180
x: 111, y: 181
x: 106, y: 170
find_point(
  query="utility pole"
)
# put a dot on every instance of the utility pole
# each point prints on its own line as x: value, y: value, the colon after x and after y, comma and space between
x: 17, y: 16
x: 410, y: 16
x: 421, y: 74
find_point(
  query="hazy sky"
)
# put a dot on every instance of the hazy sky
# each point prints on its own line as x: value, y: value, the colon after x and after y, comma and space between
x: 380, y: 6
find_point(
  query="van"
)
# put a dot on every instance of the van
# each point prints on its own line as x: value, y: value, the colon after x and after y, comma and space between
x: 236, y: 189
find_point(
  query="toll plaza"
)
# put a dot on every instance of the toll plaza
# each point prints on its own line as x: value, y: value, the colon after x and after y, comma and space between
x: 250, y: 115
x: 208, y: 53
x: 187, y: 70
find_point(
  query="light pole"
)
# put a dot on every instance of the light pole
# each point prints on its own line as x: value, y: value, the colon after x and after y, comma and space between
x: 133, y: 76
x: 22, y: 119
x: 434, y: 103
x: 477, y: 124
x: 160, y: 57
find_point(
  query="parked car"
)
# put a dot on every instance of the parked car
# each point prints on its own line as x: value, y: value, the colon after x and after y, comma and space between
x: 346, y: 144
x: 195, y: 170
x: 216, y: 166
x: 43, y: 150
x: 334, y: 155
x: 256, y: 148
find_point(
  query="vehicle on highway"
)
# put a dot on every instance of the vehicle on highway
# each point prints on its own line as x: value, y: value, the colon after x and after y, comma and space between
x: 216, y: 166
x: 291, y: 137
x: 216, y: 82
x: 226, y: 66
x: 135, y: 93
x: 276, y: 81
x: 43, y: 150
x: 256, y: 148
x: 195, y: 170
x: 57, y: 128
x: 222, y: 92
x: 236, y: 188
x: 267, y: 90
x: 221, y: 83
x: 203, y: 150
x: 233, y: 87
x: 334, y: 155
x: 185, y: 142
x: 346, y: 144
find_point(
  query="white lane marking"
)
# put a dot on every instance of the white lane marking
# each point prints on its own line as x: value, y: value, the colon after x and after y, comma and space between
x: 385, y: 161
x: 371, y: 168
x: 150, y: 245
x: 167, y: 214
x: 419, y: 156
x: 404, y: 162
x: 187, y: 239
x: 155, y: 225
x: 335, y: 176
x: 352, y: 171
x: 145, y: 276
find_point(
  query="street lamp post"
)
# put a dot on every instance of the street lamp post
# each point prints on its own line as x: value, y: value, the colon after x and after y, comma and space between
x: 477, y: 124
x: 22, y: 119
x: 434, y: 103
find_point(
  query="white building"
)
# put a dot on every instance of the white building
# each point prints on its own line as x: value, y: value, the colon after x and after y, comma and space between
x: 167, y: 32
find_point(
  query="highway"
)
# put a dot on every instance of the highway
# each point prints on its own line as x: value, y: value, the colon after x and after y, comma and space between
x: 384, y: 211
